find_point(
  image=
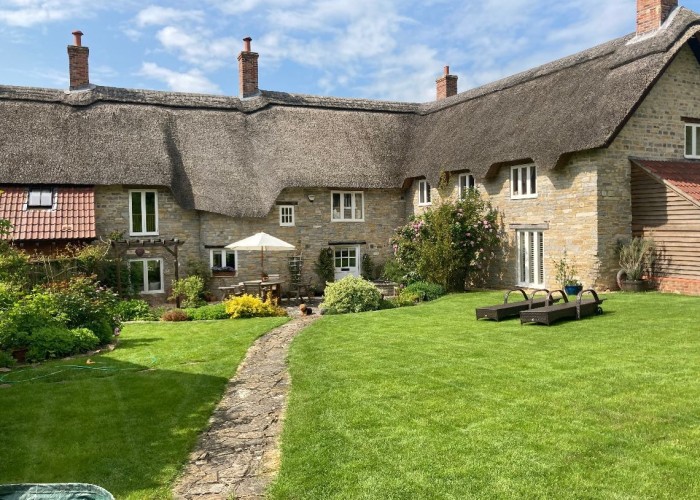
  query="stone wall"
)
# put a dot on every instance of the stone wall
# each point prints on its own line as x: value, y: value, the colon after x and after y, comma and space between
x: 585, y: 205
x: 384, y: 210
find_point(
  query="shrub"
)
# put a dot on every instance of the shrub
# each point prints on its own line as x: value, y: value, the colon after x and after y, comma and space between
x: 174, y: 315
x: 249, y: 306
x: 324, y: 266
x: 19, y: 322
x: 405, y: 298
x: 135, y: 310
x: 212, y: 311
x: 9, y: 294
x: 84, y: 340
x: 351, y: 294
x: 451, y: 244
x: 14, y: 264
x: 189, y: 290
x: 424, y: 290
x: 367, y: 267
x: 6, y: 360
x: 54, y: 341
x: 78, y: 303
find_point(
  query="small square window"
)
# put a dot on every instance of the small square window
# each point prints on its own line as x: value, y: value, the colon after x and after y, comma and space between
x: 465, y: 182
x: 287, y: 215
x: 40, y: 198
x: 221, y: 259
x: 523, y: 181
x: 424, y: 193
x: 146, y: 275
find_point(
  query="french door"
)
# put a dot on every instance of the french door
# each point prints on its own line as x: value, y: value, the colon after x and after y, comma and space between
x: 530, y: 262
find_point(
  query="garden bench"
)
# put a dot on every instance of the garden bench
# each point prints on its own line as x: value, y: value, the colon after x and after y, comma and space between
x: 566, y: 310
x: 512, y: 309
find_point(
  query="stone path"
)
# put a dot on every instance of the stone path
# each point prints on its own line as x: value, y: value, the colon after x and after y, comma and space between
x: 238, y: 455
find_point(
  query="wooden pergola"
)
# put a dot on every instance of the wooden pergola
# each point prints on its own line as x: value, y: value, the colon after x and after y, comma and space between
x: 121, y: 247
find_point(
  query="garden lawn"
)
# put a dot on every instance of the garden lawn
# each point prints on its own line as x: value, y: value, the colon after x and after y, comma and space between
x: 426, y: 402
x: 128, y: 421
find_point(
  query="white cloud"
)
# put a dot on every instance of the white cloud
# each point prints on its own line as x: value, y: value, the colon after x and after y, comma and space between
x: 193, y: 47
x: 190, y: 81
x: 28, y: 13
x: 155, y: 15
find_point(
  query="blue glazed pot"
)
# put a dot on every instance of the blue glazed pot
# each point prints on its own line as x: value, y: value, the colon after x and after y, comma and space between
x: 573, y: 290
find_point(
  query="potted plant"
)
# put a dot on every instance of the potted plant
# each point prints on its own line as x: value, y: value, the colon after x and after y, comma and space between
x: 225, y: 271
x: 566, y: 276
x: 637, y: 258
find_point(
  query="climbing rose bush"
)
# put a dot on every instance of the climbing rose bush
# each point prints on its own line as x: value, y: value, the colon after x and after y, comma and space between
x: 451, y: 244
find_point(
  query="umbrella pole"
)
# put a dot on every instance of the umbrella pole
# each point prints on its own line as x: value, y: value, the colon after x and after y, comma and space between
x: 262, y: 266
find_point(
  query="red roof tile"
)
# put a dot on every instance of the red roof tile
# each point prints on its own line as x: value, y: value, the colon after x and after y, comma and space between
x: 683, y: 175
x: 71, y: 218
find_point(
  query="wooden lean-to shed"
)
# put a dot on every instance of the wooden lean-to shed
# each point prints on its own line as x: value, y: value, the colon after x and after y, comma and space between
x: 666, y: 207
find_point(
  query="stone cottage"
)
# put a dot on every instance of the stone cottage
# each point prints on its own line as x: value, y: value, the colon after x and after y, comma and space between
x: 553, y: 148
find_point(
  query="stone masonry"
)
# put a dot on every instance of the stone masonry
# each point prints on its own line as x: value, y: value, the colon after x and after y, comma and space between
x: 584, y: 205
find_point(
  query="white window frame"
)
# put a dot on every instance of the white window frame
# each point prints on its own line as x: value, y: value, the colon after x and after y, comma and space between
x: 468, y: 181
x: 143, y: 205
x: 143, y: 262
x: 212, y: 251
x: 693, y: 128
x: 42, y: 191
x: 530, y: 271
x: 353, y: 206
x: 424, y: 199
x: 531, y: 192
x: 291, y: 215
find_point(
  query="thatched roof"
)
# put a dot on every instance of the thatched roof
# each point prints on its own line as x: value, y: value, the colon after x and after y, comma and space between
x: 233, y: 156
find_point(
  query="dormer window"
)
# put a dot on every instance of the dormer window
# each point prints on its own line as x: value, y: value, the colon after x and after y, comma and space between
x: 465, y: 183
x: 40, y: 198
x: 424, y: 194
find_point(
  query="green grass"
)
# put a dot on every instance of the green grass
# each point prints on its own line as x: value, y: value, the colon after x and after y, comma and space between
x: 129, y: 424
x: 426, y: 402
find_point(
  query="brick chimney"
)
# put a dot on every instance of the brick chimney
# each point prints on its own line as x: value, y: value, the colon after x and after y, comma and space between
x: 78, y: 63
x: 446, y: 85
x: 247, y: 71
x: 651, y: 14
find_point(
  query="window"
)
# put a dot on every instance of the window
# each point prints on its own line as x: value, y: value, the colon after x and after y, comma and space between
x: 146, y: 275
x: 523, y: 181
x: 692, y: 140
x: 143, y: 212
x: 221, y: 259
x: 286, y: 215
x: 465, y: 181
x: 40, y: 198
x: 530, y: 245
x: 347, y: 206
x: 423, y: 193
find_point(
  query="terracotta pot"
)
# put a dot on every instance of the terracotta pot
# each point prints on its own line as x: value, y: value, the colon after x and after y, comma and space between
x: 634, y: 285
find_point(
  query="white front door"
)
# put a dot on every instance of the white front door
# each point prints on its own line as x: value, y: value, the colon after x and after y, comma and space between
x: 347, y: 261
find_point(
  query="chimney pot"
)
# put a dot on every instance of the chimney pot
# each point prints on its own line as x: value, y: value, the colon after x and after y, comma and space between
x: 446, y: 84
x: 77, y: 38
x: 246, y: 44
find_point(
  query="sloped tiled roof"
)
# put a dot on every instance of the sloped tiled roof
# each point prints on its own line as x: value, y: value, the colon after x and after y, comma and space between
x: 71, y: 218
x: 683, y: 175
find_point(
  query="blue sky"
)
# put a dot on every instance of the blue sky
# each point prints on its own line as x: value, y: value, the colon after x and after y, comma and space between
x: 380, y: 49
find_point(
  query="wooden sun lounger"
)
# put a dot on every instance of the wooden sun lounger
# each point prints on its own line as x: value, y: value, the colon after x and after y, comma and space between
x: 512, y: 309
x: 566, y: 310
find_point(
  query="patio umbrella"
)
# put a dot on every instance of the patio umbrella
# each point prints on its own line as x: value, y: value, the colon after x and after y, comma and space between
x: 263, y: 242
